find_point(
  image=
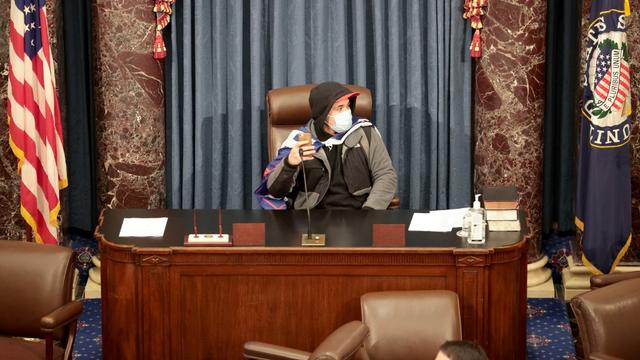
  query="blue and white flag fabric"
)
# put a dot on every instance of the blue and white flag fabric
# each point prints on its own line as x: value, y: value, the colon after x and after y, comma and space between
x: 603, y: 198
x: 268, y: 202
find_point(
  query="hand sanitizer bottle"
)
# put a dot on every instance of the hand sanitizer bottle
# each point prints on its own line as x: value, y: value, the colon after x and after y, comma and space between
x: 466, y: 224
x: 477, y: 224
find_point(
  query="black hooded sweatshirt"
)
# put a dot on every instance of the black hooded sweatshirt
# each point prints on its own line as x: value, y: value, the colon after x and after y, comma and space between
x: 321, y: 100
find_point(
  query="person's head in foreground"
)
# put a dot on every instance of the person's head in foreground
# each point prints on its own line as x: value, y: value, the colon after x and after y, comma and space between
x: 461, y: 350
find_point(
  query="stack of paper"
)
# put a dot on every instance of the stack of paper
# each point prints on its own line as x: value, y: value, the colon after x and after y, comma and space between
x: 143, y: 227
x: 438, y: 220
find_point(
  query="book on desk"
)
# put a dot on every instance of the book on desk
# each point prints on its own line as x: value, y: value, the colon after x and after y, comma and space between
x: 501, y: 204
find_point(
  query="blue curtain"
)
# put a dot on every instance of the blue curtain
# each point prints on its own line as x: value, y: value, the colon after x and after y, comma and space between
x: 224, y: 55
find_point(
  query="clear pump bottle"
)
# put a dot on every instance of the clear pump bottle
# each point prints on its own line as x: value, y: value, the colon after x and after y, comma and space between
x: 477, y: 223
x: 466, y: 225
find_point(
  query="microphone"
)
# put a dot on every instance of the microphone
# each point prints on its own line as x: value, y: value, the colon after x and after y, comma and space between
x: 308, y: 239
x: 195, y: 224
x: 199, y: 239
x: 219, y: 223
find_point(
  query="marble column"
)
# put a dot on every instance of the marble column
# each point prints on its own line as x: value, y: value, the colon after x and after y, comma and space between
x: 509, y: 105
x: 129, y: 91
x: 12, y: 226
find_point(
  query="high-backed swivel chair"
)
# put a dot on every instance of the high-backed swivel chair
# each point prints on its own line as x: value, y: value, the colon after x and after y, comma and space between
x: 607, y: 317
x: 35, y: 301
x: 409, y: 325
x: 288, y: 109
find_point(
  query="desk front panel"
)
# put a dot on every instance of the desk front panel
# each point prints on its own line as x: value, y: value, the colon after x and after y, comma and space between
x: 295, y: 306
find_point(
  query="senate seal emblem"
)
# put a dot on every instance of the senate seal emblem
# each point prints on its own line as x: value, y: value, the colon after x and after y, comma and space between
x: 608, y: 81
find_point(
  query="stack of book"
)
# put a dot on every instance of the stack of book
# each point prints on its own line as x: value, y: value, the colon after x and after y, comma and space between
x: 501, y: 205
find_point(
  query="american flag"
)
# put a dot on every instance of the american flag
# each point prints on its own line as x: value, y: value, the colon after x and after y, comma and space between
x: 604, y: 79
x: 35, y: 133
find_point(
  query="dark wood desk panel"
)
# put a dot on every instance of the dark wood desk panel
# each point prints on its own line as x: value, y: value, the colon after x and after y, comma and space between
x: 204, y: 303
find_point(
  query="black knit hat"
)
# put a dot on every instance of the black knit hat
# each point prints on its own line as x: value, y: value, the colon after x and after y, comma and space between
x: 321, y: 100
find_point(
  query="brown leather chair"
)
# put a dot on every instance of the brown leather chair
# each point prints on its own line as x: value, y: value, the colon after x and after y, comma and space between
x: 341, y: 344
x: 607, y: 317
x: 288, y: 109
x: 35, y: 302
x: 409, y: 325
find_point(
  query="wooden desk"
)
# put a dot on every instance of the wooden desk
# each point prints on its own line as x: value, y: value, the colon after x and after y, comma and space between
x: 164, y: 301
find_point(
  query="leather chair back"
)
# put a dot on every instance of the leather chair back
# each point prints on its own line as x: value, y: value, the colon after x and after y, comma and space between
x: 35, y: 279
x: 341, y: 344
x: 288, y: 109
x: 409, y: 325
x: 608, y: 319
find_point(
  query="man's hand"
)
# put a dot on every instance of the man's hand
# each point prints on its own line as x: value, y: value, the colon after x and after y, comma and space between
x: 300, y: 151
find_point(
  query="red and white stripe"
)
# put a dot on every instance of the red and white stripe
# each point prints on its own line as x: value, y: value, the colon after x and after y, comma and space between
x: 602, y: 89
x: 35, y: 130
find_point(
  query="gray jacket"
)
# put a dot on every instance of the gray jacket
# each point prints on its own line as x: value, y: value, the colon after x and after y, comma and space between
x: 378, y: 178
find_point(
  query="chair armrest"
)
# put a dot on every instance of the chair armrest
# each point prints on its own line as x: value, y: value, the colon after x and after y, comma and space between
x: 395, y: 203
x: 601, y: 356
x: 343, y: 342
x: 598, y: 281
x: 262, y: 351
x: 61, y: 316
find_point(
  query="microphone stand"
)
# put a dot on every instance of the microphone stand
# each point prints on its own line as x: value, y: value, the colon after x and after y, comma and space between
x: 195, y: 224
x: 309, y: 239
x: 306, y: 197
x: 219, y: 223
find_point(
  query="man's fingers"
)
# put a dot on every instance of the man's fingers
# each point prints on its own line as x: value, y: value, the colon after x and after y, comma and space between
x: 303, y: 151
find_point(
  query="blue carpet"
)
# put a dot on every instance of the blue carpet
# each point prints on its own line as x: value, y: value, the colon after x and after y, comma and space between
x: 88, y: 345
x: 548, y: 331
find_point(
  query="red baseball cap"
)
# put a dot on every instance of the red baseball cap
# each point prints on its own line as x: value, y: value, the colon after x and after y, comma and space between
x: 348, y: 96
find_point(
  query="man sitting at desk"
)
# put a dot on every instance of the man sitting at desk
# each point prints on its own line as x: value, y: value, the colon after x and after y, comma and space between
x: 347, y: 164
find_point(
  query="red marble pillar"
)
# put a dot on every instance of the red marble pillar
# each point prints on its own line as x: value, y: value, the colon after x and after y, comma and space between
x: 129, y: 90
x: 509, y: 105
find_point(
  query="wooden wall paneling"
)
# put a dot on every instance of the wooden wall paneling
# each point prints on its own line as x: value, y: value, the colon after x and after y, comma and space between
x: 505, y: 300
x: 154, y: 312
x: 471, y: 284
x: 257, y: 302
x: 120, y: 333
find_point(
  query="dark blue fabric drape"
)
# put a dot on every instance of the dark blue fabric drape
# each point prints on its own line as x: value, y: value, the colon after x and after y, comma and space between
x: 79, y: 115
x: 562, y: 68
x: 224, y: 55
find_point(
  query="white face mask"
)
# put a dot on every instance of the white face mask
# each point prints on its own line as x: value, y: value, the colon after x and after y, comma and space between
x: 342, y: 121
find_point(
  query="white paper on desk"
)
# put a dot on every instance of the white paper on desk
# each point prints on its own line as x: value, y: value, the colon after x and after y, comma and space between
x: 438, y: 220
x: 143, y: 227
